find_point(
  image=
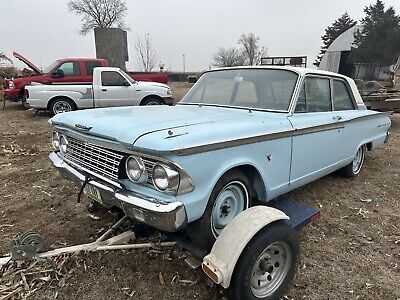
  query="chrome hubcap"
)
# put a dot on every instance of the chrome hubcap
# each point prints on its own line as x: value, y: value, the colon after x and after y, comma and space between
x: 61, y: 106
x: 358, y: 160
x: 232, y: 200
x: 153, y: 103
x: 270, y: 269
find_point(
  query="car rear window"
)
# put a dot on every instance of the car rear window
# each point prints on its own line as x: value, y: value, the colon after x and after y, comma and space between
x: 90, y: 65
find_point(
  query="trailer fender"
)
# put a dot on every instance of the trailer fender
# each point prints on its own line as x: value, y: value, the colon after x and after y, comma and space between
x: 220, y: 263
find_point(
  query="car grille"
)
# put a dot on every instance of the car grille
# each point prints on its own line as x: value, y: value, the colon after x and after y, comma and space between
x: 97, y: 159
x: 149, y: 164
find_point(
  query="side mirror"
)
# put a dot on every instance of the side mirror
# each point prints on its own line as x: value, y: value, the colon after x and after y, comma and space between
x: 57, y: 73
x: 126, y: 83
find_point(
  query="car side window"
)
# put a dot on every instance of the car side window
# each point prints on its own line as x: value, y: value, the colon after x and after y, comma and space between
x: 111, y: 78
x: 90, y: 65
x: 315, y: 95
x: 341, y: 96
x: 301, y: 106
x: 70, y: 68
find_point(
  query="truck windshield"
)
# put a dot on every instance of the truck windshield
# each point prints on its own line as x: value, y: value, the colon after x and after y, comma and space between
x: 51, y: 67
x: 129, y: 78
x: 266, y: 89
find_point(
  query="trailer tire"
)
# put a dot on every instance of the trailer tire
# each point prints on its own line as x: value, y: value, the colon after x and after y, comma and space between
x: 236, y: 186
x: 61, y: 104
x: 267, y: 264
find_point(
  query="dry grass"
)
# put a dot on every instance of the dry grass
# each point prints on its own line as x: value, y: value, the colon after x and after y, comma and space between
x: 179, y: 89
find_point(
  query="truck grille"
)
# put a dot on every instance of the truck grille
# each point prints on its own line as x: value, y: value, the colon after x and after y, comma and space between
x: 97, y: 159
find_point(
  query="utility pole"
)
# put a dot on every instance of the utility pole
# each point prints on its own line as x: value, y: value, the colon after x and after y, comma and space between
x: 184, y: 67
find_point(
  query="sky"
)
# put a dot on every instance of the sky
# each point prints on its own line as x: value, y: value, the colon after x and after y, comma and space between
x: 44, y: 30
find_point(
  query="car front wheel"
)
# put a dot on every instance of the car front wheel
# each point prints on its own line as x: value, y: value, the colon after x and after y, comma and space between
x: 61, y: 105
x: 152, y: 101
x: 354, y: 168
x: 231, y: 195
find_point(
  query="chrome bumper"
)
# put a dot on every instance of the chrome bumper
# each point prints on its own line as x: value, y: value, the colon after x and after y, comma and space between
x: 169, y: 100
x: 168, y: 217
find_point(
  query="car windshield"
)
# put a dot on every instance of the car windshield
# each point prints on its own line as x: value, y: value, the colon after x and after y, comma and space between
x: 269, y: 89
x: 51, y: 67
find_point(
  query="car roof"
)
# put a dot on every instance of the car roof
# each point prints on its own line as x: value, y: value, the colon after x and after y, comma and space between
x: 299, y: 70
x: 81, y: 59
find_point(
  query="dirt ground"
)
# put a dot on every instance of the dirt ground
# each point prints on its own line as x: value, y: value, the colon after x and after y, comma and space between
x: 352, y: 252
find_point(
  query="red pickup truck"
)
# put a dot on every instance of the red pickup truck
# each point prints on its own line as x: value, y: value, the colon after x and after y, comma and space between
x: 64, y: 71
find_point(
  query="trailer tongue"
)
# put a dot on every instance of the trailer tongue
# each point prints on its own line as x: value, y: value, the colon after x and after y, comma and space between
x: 255, y: 256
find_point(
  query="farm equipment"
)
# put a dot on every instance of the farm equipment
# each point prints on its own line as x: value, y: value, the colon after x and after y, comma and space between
x: 255, y: 256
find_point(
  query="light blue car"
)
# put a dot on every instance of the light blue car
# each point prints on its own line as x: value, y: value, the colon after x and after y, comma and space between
x: 240, y: 136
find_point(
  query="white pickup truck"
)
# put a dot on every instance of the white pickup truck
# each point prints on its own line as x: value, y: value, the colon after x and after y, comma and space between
x: 110, y: 87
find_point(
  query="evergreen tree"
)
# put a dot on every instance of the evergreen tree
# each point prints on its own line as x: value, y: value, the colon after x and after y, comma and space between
x: 379, y: 40
x: 332, y: 32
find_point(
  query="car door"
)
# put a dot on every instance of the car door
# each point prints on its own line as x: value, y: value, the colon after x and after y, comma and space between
x: 115, y: 90
x: 346, y: 110
x: 317, y: 130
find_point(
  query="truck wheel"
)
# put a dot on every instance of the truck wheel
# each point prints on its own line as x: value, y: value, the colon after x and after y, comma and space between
x: 61, y: 105
x: 267, y: 264
x: 354, y: 168
x: 152, y: 101
x: 231, y: 195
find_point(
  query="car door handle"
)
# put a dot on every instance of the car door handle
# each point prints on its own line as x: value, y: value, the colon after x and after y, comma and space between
x: 104, y: 90
x: 338, y: 118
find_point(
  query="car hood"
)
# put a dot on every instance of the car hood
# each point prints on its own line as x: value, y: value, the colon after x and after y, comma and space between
x: 153, y: 84
x: 28, y: 63
x: 165, y: 128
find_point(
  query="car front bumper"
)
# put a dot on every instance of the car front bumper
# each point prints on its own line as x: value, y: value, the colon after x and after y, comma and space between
x: 12, y: 95
x: 169, y: 100
x: 165, y: 216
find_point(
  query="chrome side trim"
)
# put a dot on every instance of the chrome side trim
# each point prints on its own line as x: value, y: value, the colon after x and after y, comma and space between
x: 325, y: 127
x: 232, y: 143
x: 266, y: 137
x: 257, y: 139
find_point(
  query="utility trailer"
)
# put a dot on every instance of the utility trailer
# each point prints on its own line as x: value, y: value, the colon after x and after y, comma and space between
x: 254, y: 257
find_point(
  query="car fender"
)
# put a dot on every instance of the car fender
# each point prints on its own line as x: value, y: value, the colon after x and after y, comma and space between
x: 222, y: 259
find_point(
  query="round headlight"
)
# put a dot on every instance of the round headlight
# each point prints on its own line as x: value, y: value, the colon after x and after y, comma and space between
x: 56, y: 140
x: 135, y: 169
x: 165, y: 178
x: 63, y: 144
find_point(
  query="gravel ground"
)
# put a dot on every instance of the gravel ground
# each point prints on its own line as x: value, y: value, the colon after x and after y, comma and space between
x: 352, y: 252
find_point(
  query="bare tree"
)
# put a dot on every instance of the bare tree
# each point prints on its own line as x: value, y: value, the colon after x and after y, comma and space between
x: 4, y: 60
x: 99, y: 13
x: 228, y: 57
x: 251, y: 49
x: 145, y: 53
